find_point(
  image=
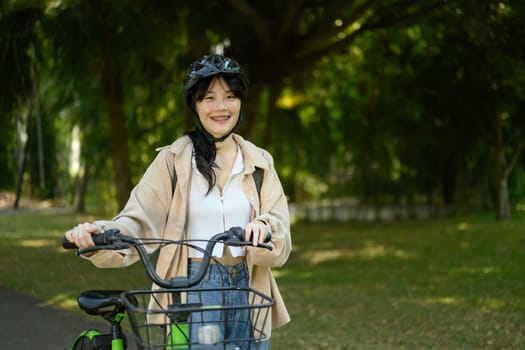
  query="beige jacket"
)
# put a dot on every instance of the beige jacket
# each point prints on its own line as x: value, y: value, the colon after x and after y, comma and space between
x: 152, y: 211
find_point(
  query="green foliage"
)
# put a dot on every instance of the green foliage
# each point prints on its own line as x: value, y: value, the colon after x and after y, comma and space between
x: 18, y: 50
x: 406, y: 112
x: 385, y: 101
x: 517, y: 184
x: 43, y: 170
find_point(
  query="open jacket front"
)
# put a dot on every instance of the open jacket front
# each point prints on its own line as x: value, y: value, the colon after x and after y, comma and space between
x: 153, y: 212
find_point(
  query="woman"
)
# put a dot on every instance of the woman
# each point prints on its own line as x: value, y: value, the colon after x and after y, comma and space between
x: 215, y: 189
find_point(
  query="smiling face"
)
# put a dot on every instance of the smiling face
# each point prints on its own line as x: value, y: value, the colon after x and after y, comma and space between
x: 219, y: 109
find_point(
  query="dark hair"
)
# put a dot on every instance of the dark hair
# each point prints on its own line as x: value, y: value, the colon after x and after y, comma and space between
x: 203, y: 142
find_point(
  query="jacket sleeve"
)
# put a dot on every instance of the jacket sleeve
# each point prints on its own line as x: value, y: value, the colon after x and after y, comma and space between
x: 145, y: 213
x: 274, y: 212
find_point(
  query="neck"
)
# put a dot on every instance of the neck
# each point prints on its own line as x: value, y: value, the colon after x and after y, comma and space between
x: 227, y: 145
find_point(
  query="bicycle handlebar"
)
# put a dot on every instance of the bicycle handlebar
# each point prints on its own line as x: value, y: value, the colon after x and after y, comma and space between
x: 112, y: 239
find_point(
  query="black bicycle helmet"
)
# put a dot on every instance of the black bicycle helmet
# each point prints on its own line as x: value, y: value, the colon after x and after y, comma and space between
x: 210, y: 65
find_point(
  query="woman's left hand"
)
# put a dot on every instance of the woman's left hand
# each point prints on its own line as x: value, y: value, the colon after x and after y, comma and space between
x: 255, y: 232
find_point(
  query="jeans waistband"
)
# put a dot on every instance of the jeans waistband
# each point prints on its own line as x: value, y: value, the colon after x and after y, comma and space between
x: 226, y: 261
x: 221, y: 273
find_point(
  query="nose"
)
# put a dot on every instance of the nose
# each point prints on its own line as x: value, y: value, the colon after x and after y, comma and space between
x: 221, y: 104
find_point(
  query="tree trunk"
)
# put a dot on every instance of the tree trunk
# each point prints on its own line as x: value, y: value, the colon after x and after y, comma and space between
x: 259, y: 113
x: 448, y: 180
x: 81, y: 191
x: 23, y: 161
x: 251, y: 114
x: 503, y: 170
x: 504, y: 210
x: 119, y: 150
x: 21, y: 169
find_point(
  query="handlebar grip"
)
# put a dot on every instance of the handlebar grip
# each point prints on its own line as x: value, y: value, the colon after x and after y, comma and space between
x: 99, y: 239
x: 67, y: 244
x: 238, y: 232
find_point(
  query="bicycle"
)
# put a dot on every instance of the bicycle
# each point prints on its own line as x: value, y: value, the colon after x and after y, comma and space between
x: 161, y: 318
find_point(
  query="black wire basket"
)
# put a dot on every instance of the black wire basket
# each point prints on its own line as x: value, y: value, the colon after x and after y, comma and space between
x: 184, y: 319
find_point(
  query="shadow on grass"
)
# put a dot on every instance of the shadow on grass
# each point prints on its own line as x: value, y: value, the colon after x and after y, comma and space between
x: 432, y: 284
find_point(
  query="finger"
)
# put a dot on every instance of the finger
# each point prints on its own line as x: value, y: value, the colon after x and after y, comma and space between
x: 86, y: 234
x: 264, y: 231
x: 81, y: 238
x: 257, y: 233
x: 69, y: 236
x: 92, y: 229
x: 73, y: 236
x: 248, y: 232
x: 252, y: 233
x: 78, y: 236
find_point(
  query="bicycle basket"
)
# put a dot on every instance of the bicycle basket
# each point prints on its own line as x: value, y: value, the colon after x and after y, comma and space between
x: 211, y: 319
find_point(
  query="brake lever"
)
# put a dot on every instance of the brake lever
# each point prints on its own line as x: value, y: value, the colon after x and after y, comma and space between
x: 264, y: 245
x: 113, y: 246
x: 238, y: 243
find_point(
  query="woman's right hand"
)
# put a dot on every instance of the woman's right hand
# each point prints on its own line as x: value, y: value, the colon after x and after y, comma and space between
x: 81, y: 235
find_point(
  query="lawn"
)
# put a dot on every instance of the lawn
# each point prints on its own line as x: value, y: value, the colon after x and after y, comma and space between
x: 453, y: 283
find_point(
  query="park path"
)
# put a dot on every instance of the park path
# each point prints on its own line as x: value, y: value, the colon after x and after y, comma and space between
x: 27, y: 323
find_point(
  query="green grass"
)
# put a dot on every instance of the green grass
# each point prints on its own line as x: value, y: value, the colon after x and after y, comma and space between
x: 32, y: 260
x: 430, y: 284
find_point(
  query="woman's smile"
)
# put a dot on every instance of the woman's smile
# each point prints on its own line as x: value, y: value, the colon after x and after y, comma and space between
x: 221, y: 118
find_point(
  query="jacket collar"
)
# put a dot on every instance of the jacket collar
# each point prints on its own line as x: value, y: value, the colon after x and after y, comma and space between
x: 180, y: 144
x: 253, y: 155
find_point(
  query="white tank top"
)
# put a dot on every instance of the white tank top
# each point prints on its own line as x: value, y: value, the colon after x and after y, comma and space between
x: 216, y: 212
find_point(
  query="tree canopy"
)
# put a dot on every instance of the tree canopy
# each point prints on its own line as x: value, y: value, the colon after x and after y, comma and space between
x: 386, y: 102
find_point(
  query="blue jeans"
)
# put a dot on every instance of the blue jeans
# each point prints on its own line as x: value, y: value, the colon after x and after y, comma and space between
x: 234, y: 325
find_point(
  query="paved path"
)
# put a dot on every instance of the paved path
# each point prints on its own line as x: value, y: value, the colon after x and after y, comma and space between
x: 26, y: 323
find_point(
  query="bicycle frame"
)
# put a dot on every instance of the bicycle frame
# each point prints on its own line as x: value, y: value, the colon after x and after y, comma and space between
x: 99, y: 341
x: 97, y: 302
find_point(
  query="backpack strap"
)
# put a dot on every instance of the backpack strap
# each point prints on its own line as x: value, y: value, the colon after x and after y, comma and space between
x: 258, y: 178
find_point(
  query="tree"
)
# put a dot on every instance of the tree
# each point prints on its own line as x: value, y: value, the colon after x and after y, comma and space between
x: 280, y: 42
x: 419, y: 103
x: 115, y: 42
x: 20, y: 48
x: 487, y: 70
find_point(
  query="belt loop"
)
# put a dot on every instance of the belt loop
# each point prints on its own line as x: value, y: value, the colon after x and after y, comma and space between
x: 233, y: 272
